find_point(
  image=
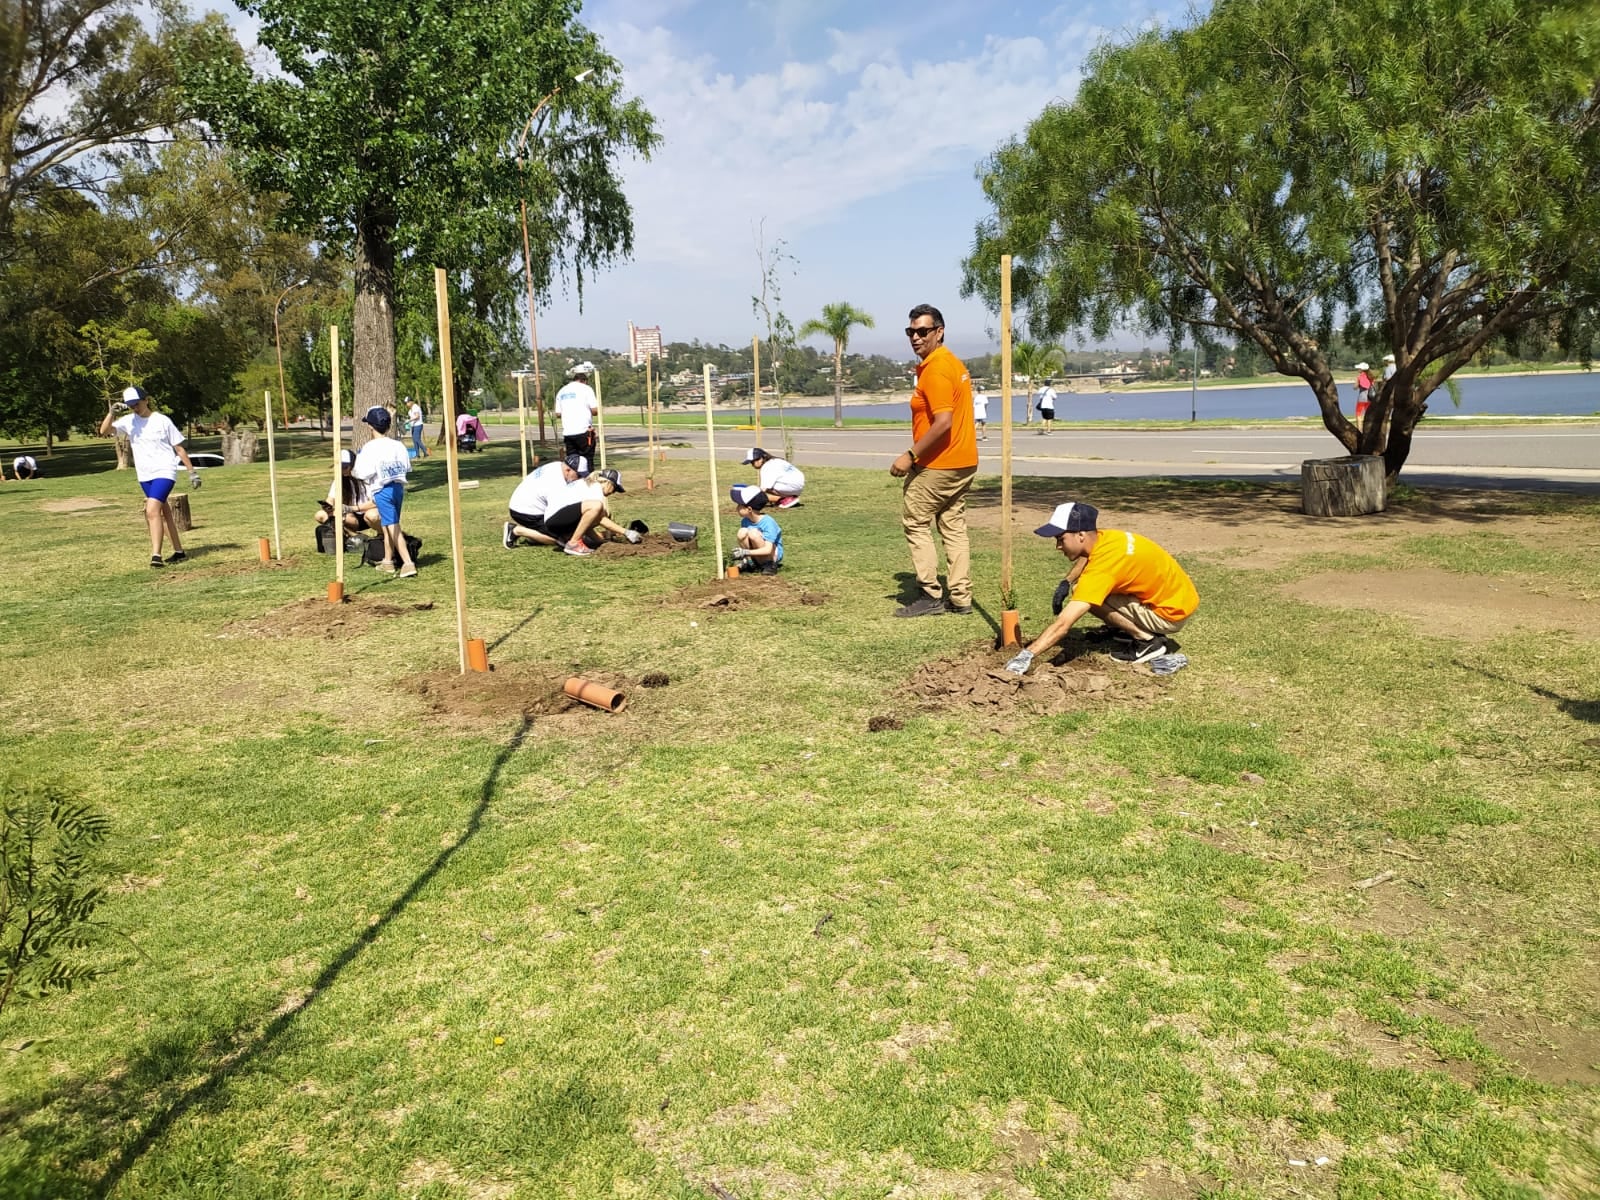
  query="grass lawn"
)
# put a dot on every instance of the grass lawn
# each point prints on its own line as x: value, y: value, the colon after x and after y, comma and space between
x: 374, y: 934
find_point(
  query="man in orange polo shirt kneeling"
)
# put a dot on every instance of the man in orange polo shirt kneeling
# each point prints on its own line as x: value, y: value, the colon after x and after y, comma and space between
x: 938, y: 470
x: 1128, y: 581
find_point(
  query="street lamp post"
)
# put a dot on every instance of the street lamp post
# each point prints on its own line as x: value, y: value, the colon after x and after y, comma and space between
x: 527, y: 254
x: 277, y: 341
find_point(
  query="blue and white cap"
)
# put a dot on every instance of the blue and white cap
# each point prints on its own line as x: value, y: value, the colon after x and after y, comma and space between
x: 1070, y: 518
x: 578, y: 463
x: 748, y: 495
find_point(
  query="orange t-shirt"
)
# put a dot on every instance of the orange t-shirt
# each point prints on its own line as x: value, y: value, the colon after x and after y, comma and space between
x: 1126, y: 564
x: 943, y: 385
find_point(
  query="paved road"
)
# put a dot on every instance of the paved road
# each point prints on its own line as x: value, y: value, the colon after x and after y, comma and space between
x: 1566, y: 456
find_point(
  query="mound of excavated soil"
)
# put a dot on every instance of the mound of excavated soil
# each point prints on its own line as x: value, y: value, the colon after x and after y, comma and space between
x: 512, y: 690
x: 650, y: 546
x: 976, y: 681
x: 747, y: 591
x: 316, y: 617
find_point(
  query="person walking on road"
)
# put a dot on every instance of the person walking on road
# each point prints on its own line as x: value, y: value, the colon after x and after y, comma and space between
x: 576, y: 405
x: 414, y: 421
x: 158, y: 449
x: 980, y: 414
x: 1047, y: 407
x: 1128, y: 581
x: 938, y: 470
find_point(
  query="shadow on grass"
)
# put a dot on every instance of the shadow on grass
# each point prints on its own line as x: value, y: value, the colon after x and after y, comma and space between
x: 59, y: 1155
x: 1587, y: 711
x: 1243, y: 501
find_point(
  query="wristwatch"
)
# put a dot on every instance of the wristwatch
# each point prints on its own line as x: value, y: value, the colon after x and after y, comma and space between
x: 912, y: 455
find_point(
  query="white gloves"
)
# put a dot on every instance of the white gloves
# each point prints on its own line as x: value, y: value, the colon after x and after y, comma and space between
x: 1020, y: 664
x: 634, y: 536
x: 740, y: 554
x: 194, y: 479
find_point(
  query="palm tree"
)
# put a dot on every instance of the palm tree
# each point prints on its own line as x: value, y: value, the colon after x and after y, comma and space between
x: 1035, y: 360
x: 835, y: 322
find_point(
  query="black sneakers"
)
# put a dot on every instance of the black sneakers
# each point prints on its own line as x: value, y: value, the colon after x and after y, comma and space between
x: 155, y: 560
x: 923, y: 606
x: 177, y: 556
x: 959, y: 610
x: 509, y: 540
x: 1141, y: 651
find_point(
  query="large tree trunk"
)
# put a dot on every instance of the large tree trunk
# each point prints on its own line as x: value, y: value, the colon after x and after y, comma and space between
x: 838, y: 384
x: 372, y: 351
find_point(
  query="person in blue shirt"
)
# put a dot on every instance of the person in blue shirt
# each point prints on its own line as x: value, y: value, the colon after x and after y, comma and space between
x: 760, y: 539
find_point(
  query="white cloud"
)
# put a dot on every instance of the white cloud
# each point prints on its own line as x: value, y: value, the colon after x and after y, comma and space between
x: 801, y: 143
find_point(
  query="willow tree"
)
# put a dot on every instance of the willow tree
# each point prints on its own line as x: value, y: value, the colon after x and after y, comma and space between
x: 1423, y: 176
x: 836, y: 322
x: 391, y: 127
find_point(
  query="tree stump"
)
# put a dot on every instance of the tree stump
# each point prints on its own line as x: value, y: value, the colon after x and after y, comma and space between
x: 179, y: 504
x: 1351, y: 486
x: 238, y: 446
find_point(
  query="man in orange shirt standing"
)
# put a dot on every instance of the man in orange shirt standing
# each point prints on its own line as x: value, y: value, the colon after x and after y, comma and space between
x: 1128, y: 581
x: 938, y: 470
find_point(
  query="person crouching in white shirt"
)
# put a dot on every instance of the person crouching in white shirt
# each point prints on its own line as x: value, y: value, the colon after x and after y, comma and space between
x: 780, y: 479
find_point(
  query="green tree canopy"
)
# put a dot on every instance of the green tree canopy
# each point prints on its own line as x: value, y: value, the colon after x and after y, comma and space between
x: 392, y: 127
x: 836, y: 322
x: 1425, y: 175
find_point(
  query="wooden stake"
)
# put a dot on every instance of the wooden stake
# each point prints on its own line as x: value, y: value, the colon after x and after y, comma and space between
x: 711, y: 457
x: 272, y: 481
x: 649, y: 427
x: 447, y: 385
x: 522, y: 423
x: 755, y: 376
x: 600, y: 418
x: 1007, y: 600
x: 338, y: 475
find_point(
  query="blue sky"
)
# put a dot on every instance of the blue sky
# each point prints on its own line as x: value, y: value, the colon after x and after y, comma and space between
x: 851, y: 129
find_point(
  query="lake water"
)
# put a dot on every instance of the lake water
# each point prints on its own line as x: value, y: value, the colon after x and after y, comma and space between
x: 1566, y: 394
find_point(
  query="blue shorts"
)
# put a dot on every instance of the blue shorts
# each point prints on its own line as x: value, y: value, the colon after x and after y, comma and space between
x: 389, y: 499
x: 158, y: 489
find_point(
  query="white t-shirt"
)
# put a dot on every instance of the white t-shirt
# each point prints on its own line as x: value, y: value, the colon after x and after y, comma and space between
x: 23, y: 462
x: 574, y: 405
x: 380, y: 462
x: 980, y: 407
x: 533, y: 495
x: 1047, y: 399
x: 414, y: 414
x: 152, y: 439
x: 779, y: 475
x: 579, y: 491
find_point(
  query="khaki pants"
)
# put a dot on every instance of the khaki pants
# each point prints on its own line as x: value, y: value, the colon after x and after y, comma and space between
x: 1145, y: 618
x: 939, y: 498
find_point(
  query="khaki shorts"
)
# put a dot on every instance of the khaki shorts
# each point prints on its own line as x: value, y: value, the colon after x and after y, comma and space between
x: 1144, y: 617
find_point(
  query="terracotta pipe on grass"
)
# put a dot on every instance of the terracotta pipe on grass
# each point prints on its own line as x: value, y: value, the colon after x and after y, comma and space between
x: 595, y: 694
x: 264, y: 549
x: 732, y: 573
x: 477, y: 655
x: 335, y: 592
x: 1010, y: 628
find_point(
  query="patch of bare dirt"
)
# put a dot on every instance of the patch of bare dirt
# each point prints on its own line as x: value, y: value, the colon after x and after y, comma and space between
x: 1549, y: 1052
x: 1074, y: 679
x: 884, y: 724
x: 316, y: 617
x: 747, y: 591
x: 651, y: 545
x: 513, y: 690
x: 1386, y: 1049
x: 1457, y: 606
x: 217, y: 570
x: 73, y: 504
x: 1266, y: 529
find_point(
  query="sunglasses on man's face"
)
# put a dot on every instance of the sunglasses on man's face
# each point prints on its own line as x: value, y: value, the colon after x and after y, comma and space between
x: 913, y: 331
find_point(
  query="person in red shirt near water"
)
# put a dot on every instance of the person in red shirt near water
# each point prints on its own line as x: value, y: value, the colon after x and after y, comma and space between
x: 938, y: 470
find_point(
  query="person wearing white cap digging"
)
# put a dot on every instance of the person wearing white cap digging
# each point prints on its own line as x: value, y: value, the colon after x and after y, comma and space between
x: 157, y: 450
x: 576, y: 405
x: 1128, y: 581
x: 780, y: 479
x: 530, y: 502
x: 580, y: 513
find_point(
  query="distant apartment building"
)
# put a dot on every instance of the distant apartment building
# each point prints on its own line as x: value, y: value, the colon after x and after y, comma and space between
x: 643, y: 342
